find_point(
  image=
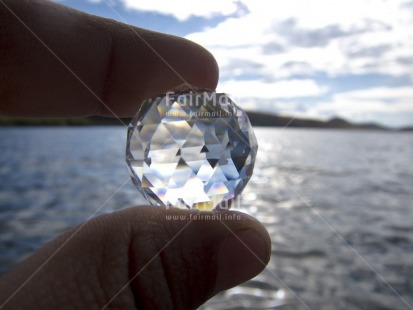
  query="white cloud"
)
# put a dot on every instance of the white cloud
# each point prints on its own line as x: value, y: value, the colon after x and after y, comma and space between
x: 275, y: 50
x: 182, y: 10
x: 279, y: 89
x: 390, y: 94
x: 390, y: 106
x: 284, y: 40
x: 331, y: 36
x: 334, y: 37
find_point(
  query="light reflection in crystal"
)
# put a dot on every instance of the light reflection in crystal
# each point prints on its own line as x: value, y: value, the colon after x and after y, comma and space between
x: 191, y: 153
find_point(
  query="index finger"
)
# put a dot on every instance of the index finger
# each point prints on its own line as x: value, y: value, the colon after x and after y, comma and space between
x: 57, y: 61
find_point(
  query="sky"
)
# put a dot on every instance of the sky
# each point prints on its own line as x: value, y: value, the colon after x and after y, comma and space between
x: 300, y: 58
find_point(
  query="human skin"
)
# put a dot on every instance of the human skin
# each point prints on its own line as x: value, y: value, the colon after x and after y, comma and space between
x: 58, y: 62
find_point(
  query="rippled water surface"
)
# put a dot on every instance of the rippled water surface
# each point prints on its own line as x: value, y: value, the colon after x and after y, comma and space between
x: 338, y: 206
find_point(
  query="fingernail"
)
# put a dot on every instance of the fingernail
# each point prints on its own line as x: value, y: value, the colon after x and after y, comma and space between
x: 241, y: 256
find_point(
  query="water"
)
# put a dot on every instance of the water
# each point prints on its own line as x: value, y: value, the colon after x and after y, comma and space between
x: 338, y: 206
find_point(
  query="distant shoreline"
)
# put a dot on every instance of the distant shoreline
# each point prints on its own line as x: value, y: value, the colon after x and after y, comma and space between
x: 257, y: 119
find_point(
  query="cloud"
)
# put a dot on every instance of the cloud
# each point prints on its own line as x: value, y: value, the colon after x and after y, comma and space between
x: 240, y: 67
x: 392, y: 106
x: 385, y: 94
x: 275, y: 55
x: 280, y: 89
x: 273, y: 48
x: 407, y: 5
x: 405, y: 60
x: 309, y: 37
x: 299, y: 41
x: 183, y: 10
x: 334, y: 37
x: 320, y: 37
x: 372, y: 51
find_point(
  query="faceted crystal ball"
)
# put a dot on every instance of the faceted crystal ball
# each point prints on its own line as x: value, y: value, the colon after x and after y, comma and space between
x: 192, y: 149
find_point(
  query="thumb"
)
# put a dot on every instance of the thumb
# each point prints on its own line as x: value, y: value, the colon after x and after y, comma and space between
x: 143, y: 257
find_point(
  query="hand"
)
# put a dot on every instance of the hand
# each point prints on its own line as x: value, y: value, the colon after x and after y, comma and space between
x: 138, y: 257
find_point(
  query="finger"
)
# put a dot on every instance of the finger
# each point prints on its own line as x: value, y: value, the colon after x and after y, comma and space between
x: 142, y: 257
x: 57, y: 61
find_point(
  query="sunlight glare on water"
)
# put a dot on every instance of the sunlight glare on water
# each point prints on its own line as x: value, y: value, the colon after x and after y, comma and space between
x: 358, y: 182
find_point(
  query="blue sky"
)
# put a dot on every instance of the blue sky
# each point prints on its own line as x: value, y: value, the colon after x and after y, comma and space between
x: 318, y: 59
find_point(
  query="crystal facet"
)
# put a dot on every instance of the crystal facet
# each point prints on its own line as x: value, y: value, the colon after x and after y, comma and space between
x: 191, y: 150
